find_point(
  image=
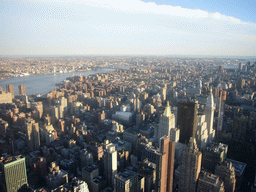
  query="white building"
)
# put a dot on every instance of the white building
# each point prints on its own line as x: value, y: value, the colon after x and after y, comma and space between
x: 202, y: 131
x: 209, y: 114
x: 110, y: 164
x: 167, y: 122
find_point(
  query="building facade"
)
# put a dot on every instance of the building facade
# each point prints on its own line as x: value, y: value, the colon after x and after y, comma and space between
x: 190, y: 167
x: 187, y: 120
x: 167, y: 122
x: 14, y: 173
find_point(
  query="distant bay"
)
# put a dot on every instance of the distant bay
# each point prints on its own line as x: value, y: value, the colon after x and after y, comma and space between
x: 43, y: 84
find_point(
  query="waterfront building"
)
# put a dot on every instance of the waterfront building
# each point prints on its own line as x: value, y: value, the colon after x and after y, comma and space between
x: 22, y: 89
x: 5, y: 97
x: 10, y: 89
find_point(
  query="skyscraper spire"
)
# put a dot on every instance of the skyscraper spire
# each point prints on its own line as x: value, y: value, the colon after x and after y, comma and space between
x: 166, y: 123
x: 167, y: 111
x: 210, y: 100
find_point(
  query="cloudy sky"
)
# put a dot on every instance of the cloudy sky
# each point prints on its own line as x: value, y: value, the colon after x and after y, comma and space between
x: 75, y: 27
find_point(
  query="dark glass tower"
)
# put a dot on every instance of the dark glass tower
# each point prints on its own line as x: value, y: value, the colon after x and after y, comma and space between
x: 187, y: 120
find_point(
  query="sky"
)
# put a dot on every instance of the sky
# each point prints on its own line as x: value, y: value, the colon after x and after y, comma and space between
x: 128, y: 27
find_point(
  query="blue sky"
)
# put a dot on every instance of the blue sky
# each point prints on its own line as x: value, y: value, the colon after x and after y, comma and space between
x: 66, y: 27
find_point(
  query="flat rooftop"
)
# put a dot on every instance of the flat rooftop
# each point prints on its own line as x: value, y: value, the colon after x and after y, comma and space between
x: 238, y: 166
x: 126, y: 175
x: 6, y: 160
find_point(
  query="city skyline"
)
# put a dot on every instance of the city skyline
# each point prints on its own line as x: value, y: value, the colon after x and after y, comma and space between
x: 110, y: 27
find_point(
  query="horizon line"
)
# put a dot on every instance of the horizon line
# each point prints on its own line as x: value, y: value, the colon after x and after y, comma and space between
x: 134, y: 55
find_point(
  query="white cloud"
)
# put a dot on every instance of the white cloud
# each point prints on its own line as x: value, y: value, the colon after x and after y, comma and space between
x: 134, y: 25
x: 140, y: 7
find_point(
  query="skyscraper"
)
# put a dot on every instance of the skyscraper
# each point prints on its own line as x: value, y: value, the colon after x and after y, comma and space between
x: 14, y: 174
x: 163, y: 93
x: 10, y: 89
x: 167, y: 122
x: 190, y: 167
x: 22, y: 89
x: 202, y: 132
x: 110, y: 164
x: 33, y: 136
x: 187, y: 120
x: 165, y: 165
x: 163, y: 158
x: 209, y: 114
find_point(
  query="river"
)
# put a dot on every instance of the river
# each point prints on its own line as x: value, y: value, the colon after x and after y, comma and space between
x: 43, y: 84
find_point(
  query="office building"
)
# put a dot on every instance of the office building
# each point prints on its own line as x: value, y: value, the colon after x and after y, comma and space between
x: 187, y: 120
x: 10, y: 89
x: 33, y: 136
x: 209, y: 182
x: 147, y: 171
x: 163, y: 158
x: 226, y: 172
x: 14, y: 174
x: 239, y: 171
x: 190, y: 167
x: 56, y: 176
x: 22, y: 89
x: 79, y: 185
x: 175, y: 135
x: 213, y: 154
x: 163, y: 93
x: 110, y: 163
x: 89, y: 172
x: 37, y: 109
x: 5, y: 97
x: 126, y: 181
x: 239, y: 130
x: 202, y: 132
x: 40, y: 167
x: 209, y: 115
x: 165, y: 165
x: 166, y: 123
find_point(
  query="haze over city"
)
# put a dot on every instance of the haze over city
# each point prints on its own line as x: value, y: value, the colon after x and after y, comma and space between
x: 127, y: 96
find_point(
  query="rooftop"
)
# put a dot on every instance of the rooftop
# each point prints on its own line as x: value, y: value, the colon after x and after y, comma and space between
x: 90, y: 167
x: 6, y: 160
x: 239, y: 166
x: 125, y: 175
x: 216, y: 147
